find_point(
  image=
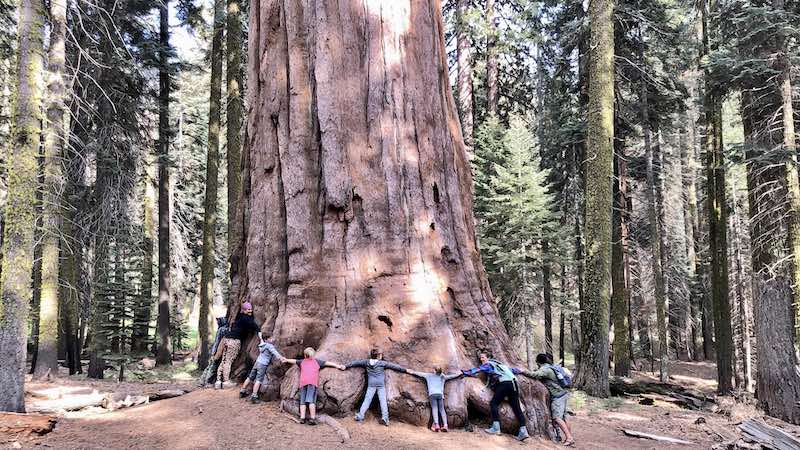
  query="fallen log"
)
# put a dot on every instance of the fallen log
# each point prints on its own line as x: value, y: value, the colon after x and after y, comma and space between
x: 113, y: 403
x: 337, y: 427
x: 165, y: 394
x: 677, y: 394
x: 25, y: 424
x: 768, y: 436
x: 71, y: 403
x: 655, y: 437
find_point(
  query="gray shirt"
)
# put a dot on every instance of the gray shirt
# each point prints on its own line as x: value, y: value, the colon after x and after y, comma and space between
x: 435, y: 382
x: 266, y: 352
x: 375, y: 370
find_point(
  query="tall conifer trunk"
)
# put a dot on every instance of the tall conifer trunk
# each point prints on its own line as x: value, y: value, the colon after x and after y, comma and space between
x: 234, y: 77
x: 163, y: 354
x: 491, y: 58
x: 47, y: 356
x: 717, y: 220
x: 593, y: 372
x: 357, y: 199
x: 21, y: 166
x: 464, y: 75
x: 212, y: 173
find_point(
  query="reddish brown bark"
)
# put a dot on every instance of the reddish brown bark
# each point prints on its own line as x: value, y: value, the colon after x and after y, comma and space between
x: 357, y: 204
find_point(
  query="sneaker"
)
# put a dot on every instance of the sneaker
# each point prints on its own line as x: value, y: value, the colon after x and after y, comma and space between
x: 435, y: 428
x: 244, y: 393
x: 254, y: 399
x: 523, y: 434
x: 443, y: 429
x: 384, y: 422
x: 358, y: 419
x: 495, y: 429
x: 218, y: 385
x: 312, y: 421
x: 302, y: 421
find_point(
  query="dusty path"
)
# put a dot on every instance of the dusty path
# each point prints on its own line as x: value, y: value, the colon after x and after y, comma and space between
x: 209, y: 419
x: 219, y: 419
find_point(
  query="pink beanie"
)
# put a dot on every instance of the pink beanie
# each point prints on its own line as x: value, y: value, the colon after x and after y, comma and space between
x: 246, y: 306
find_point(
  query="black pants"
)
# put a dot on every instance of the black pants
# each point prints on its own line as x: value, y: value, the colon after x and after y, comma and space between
x: 506, y: 390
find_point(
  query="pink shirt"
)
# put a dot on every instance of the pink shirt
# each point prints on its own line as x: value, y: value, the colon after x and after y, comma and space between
x: 309, y: 371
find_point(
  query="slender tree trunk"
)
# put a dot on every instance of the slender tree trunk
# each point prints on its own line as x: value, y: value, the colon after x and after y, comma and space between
x: 690, y: 217
x: 47, y: 355
x: 655, y: 242
x: 718, y: 218
x: 792, y: 181
x: 212, y: 173
x: 234, y: 115
x: 620, y: 290
x: 464, y: 76
x: 491, y: 58
x: 163, y: 355
x: 21, y: 166
x: 141, y: 321
x: 357, y: 230
x: 36, y: 281
x: 744, y: 294
x: 547, y: 295
x: 593, y: 374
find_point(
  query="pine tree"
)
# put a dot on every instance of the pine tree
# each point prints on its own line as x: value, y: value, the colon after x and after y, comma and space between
x: 212, y: 172
x: 15, y: 278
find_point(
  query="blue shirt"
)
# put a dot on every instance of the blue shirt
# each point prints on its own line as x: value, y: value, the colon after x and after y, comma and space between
x: 494, y: 375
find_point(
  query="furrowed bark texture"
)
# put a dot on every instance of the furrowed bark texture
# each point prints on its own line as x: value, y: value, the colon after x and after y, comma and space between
x: 593, y: 373
x: 357, y: 203
x: 491, y: 58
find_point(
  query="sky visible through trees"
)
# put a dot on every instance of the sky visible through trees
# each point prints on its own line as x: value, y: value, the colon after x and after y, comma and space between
x: 613, y: 182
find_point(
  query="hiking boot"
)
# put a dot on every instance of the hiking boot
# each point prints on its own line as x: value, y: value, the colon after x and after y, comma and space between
x: 384, y: 422
x: 254, y: 399
x: 443, y: 429
x: 312, y: 421
x: 495, y: 429
x: 435, y: 428
x: 218, y: 385
x: 523, y: 434
x: 244, y: 393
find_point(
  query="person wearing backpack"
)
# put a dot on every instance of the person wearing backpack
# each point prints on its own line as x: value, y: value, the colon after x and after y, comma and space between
x: 503, y: 380
x: 556, y: 380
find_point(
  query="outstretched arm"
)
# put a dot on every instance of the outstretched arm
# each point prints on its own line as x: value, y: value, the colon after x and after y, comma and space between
x: 334, y: 365
x: 396, y: 367
x: 486, y: 368
x: 356, y: 363
x: 289, y: 361
x: 452, y: 376
x: 415, y: 373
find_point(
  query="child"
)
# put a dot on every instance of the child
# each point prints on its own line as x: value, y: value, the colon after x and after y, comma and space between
x: 558, y: 395
x: 376, y: 383
x: 435, y: 382
x: 309, y: 379
x: 266, y: 352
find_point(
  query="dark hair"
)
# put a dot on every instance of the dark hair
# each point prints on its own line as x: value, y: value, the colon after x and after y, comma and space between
x: 375, y: 353
x: 541, y: 358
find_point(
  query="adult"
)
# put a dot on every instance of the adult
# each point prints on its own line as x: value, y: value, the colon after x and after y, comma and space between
x: 558, y: 395
x: 242, y: 325
x: 503, y: 381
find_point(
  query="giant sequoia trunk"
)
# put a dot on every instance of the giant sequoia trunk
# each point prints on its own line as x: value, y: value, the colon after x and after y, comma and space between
x: 357, y: 204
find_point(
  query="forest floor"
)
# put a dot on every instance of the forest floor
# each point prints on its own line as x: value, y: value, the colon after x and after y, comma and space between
x: 206, y: 418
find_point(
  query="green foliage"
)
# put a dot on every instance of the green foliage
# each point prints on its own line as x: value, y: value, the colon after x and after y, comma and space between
x: 514, y: 211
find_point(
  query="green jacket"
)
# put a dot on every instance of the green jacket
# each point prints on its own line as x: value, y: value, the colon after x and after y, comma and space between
x: 547, y: 376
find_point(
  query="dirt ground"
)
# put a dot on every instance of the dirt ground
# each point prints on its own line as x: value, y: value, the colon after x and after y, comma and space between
x: 209, y: 419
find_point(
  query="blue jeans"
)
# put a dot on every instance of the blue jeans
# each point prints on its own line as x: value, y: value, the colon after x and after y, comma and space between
x: 371, y: 390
